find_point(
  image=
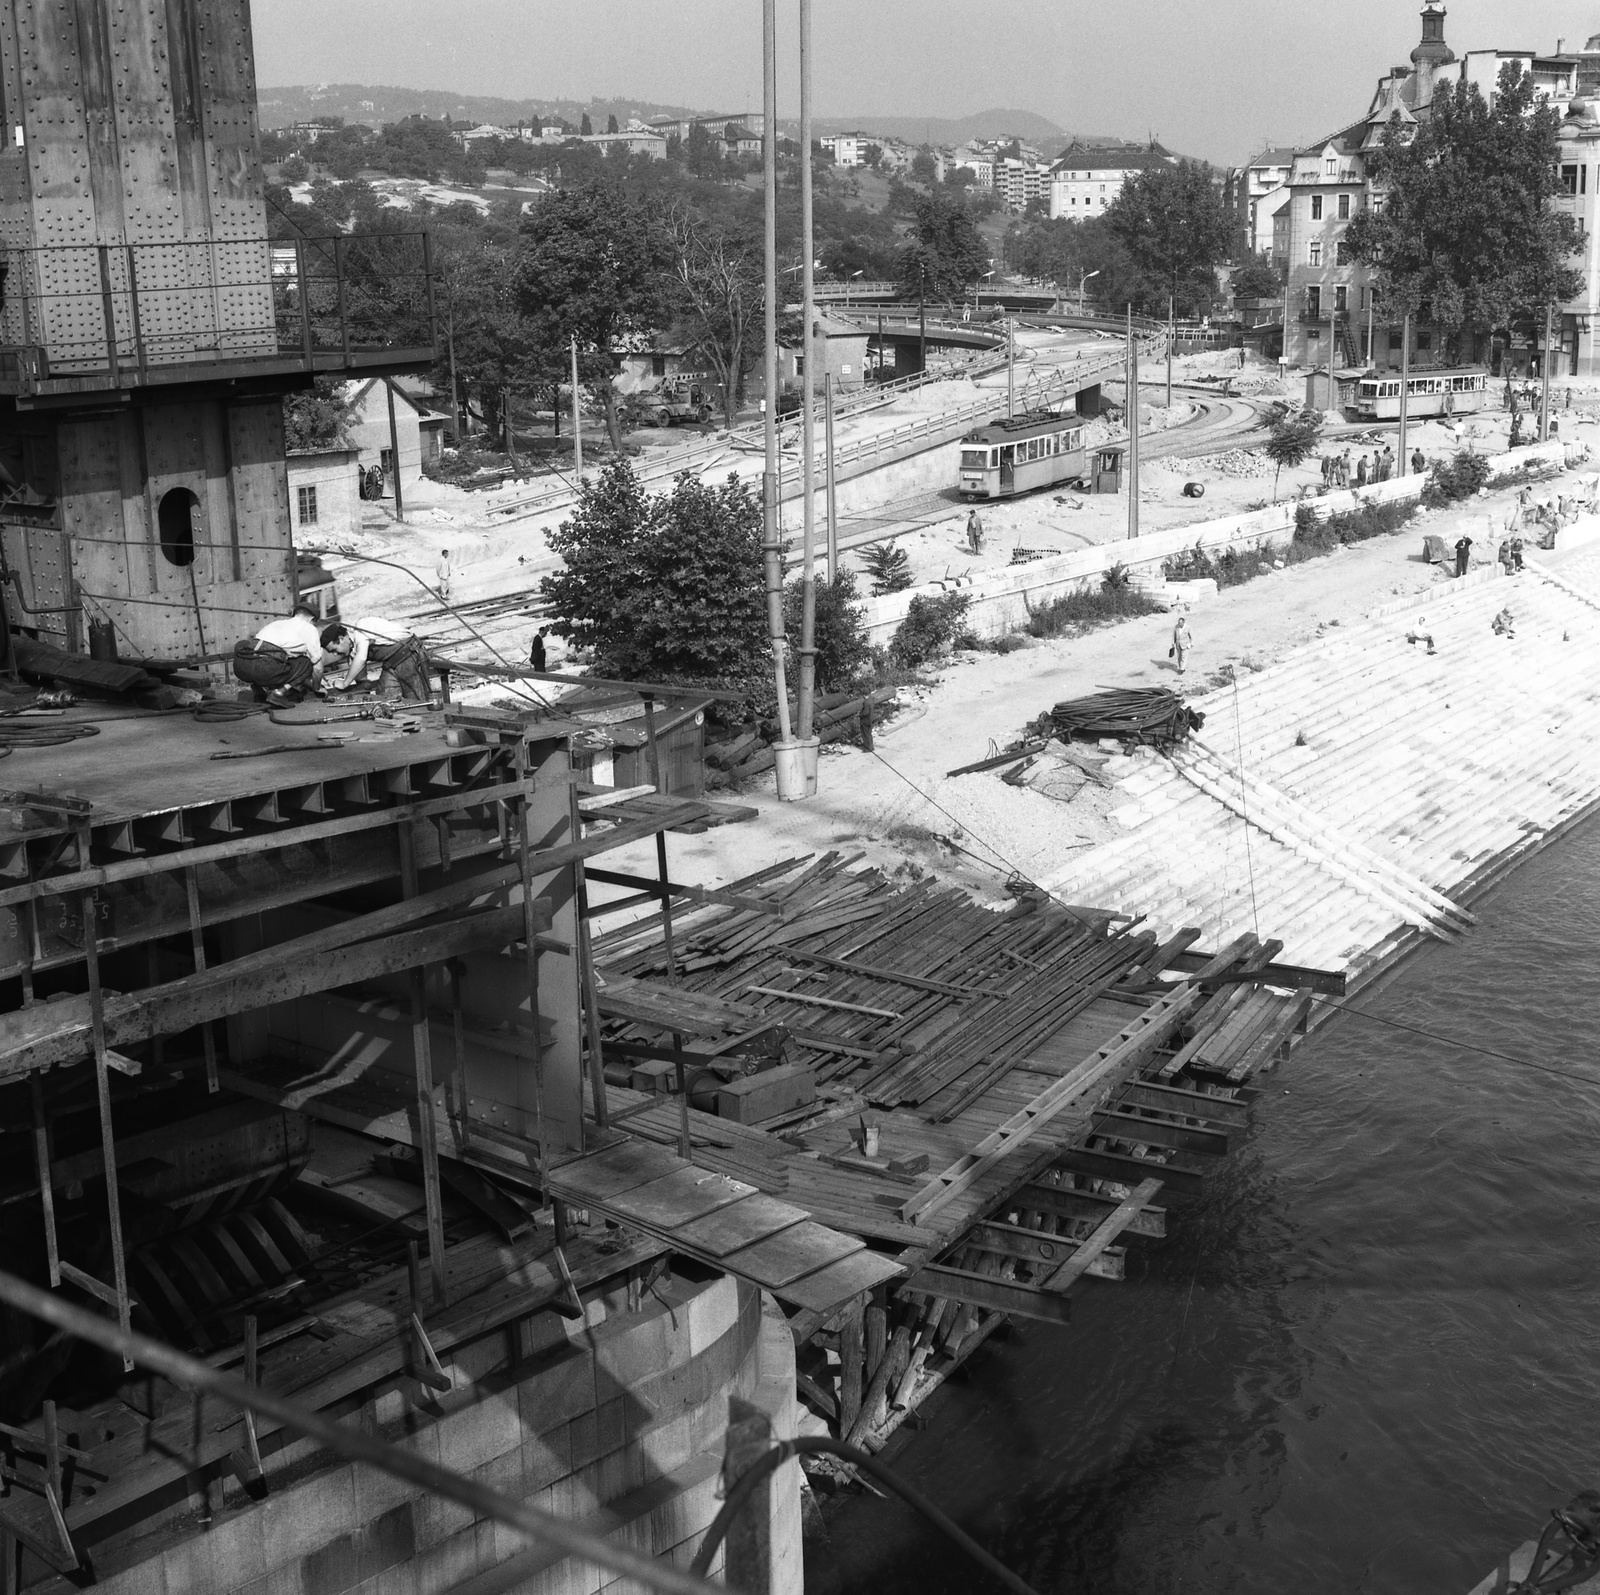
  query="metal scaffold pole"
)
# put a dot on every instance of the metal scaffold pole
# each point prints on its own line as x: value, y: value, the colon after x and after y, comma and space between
x: 808, y: 419
x: 1133, y: 430
x: 773, y: 556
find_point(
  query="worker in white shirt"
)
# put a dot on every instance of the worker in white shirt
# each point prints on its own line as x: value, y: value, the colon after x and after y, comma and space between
x: 286, y: 656
x: 442, y: 573
x: 383, y: 653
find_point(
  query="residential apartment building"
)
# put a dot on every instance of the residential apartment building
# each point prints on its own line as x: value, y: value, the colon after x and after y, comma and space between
x: 1329, y: 184
x: 848, y: 149
x: 1260, y: 189
x: 1088, y: 177
x: 979, y: 162
x: 1018, y: 181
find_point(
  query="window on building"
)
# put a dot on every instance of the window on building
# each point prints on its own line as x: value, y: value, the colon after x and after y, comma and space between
x: 306, y: 505
x: 1341, y: 252
x: 1314, y: 303
x: 1316, y: 207
x: 1424, y: 341
x: 1344, y: 207
x: 1330, y: 166
x: 1341, y: 298
x: 1569, y: 179
x: 1316, y: 251
x: 658, y: 365
x: 1363, y: 298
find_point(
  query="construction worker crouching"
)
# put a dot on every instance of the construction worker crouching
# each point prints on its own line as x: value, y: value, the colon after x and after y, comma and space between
x: 387, y: 655
x: 287, y: 656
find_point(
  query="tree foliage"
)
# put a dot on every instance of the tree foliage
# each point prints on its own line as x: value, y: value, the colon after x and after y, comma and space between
x: 1292, y: 437
x: 315, y: 418
x: 1172, y: 222
x: 1068, y: 252
x: 596, y: 264
x: 722, y: 299
x: 889, y: 566
x: 664, y: 587
x: 1257, y: 278
x: 946, y: 254
x: 1466, y: 237
x: 843, y: 651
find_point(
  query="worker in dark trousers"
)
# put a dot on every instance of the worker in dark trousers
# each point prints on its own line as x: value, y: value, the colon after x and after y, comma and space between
x: 536, y: 655
x: 1463, y: 553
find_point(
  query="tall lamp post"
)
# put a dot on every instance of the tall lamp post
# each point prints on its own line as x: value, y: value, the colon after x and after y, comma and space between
x: 1082, y: 279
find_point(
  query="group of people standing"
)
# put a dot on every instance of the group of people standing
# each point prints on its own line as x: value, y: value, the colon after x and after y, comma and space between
x: 1337, y: 471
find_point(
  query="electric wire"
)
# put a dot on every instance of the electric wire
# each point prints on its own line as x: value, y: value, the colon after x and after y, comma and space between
x: 1016, y: 870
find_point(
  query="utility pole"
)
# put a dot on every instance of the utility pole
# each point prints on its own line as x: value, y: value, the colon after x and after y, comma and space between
x: 771, y: 551
x: 394, y: 452
x: 1169, y: 351
x: 1133, y: 431
x: 808, y: 422
x: 450, y: 344
x: 1333, y: 338
x: 577, y: 420
x: 827, y: 444
x: 1405, y: 382
x: 922, y: 324
x: 1011, y: 368
x: 1372, y: 300
x: 1544, y: 393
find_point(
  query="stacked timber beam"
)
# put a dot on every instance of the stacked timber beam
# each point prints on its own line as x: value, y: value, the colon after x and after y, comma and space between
x: 1044, y: 1087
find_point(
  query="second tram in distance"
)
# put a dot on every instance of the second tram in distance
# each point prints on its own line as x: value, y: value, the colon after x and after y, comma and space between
x: 1021, y: 453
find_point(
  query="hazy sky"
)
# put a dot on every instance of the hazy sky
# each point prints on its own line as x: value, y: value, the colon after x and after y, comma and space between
x: 1214, y: 78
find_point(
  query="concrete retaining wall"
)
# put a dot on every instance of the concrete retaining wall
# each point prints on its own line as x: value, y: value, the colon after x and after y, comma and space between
x: 616, y: 1423
x: 1002, y: 598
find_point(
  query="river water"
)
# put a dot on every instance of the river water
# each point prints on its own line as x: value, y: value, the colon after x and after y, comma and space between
x: 1366, y: 1361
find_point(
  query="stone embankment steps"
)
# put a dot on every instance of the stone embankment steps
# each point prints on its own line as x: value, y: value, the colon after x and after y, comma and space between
x: 1415, y: 772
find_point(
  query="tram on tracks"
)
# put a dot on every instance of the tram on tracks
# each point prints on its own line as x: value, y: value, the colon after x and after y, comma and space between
x: 1444, y: 392
x: 1021, y: 453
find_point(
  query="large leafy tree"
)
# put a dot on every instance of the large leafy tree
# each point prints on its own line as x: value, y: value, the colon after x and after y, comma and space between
x: 946, y: 254
x: 719, y: 274
x: 596, y: 264
x: 1465, y: 236
x: 1074, y: 253
x: 664, y: 587
x: 1173, y: 224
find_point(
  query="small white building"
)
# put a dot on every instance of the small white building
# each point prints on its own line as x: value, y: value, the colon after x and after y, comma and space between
x: 367, y: 428
x: 324, y: 493
x: 640, y: 142
x: 1263, y: 191
x: 848, y: 149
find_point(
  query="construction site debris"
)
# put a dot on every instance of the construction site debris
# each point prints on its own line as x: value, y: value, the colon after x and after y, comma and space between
x: 1152, y: 715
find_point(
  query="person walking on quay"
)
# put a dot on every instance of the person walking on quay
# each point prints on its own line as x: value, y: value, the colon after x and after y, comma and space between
x: 1180, y: 643
x: 1463, y: 553
x: 974, y: 532
x: 442, y: 573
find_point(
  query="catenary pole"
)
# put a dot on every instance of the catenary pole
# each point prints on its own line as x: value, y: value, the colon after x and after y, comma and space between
x: 808, y: 416
x: 577, y: 419
x: 772, y: 553
x: 1133, y: 430
x: 827, y: 450
x: 1405, y: 380
x: 1544, y: 391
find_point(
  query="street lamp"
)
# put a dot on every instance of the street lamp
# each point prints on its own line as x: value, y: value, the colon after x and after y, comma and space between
x: 1083, y: 278
x: 977, y: 292
x: 848, y: 280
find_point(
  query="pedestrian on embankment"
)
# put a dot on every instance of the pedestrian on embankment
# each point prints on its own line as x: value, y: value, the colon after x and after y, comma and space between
x: 1419, y: 463
x: 974, y: 532
x: 1180, y: 643
x: 1463, y: 553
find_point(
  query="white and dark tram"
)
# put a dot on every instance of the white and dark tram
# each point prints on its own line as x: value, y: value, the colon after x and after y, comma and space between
x: 1021, y: 453
x: 1442, y: 392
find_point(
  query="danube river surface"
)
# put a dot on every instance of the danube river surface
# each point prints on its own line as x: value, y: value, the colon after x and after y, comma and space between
x: 1369, y: 1360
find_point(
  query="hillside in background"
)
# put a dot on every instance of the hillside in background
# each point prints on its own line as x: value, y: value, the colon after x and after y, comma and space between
x: 375, y: 105
x: 1027, y: 125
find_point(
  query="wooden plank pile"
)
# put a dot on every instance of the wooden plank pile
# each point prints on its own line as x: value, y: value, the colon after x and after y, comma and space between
x: 907, y: 994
